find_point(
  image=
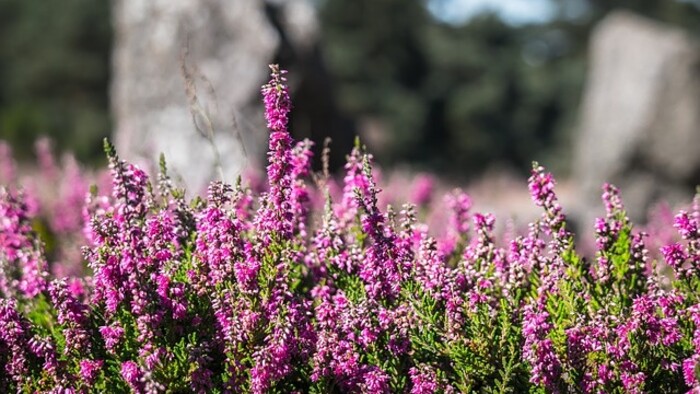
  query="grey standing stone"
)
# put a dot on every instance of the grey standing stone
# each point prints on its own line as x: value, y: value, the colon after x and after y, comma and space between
x: 224, y: 46
x: 640, y: 115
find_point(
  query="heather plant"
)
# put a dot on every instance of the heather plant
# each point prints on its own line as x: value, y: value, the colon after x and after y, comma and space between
x: 55, y: 194
x: 301, y: 286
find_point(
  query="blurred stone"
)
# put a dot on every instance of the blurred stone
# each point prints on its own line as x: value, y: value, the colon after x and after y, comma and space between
x: 181, y: 63
x: 640, y: 116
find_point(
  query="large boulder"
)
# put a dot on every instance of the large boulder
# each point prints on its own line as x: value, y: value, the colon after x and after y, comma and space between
x: 640, y: 115
x: 188, y: 73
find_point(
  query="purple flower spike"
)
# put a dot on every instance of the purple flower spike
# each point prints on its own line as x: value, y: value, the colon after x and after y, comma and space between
x: 89, y: 370
x: 132, y: 374
x: 277, y: 100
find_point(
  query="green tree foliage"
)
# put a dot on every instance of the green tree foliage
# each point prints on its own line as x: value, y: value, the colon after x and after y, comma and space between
x: 462, y: 98
x: 454, y: 98
x: 54, y: 73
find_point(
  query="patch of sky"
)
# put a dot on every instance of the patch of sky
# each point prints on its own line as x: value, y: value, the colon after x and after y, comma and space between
x: 512, y: 12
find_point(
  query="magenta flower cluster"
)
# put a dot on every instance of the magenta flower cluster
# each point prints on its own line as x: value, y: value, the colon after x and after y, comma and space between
x: 308, y: 284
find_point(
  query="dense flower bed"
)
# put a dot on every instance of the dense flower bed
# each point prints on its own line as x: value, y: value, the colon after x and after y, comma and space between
x: 271, y: 291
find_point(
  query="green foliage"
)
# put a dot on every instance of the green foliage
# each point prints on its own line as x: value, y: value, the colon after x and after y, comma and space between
x: 54, y: 74
x: 459, y: 98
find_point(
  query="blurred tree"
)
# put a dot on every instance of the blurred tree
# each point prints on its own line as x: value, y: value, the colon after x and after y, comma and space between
x: 54, y: 73
x: 454, y: 98
x: 460, y: 98
x: 375, y: 51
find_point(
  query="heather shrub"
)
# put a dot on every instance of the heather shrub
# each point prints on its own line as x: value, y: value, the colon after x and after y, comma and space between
x: 55, y: 193
x: 303, y: 286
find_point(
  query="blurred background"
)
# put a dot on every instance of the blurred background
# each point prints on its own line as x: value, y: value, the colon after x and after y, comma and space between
x: 454, y: 87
